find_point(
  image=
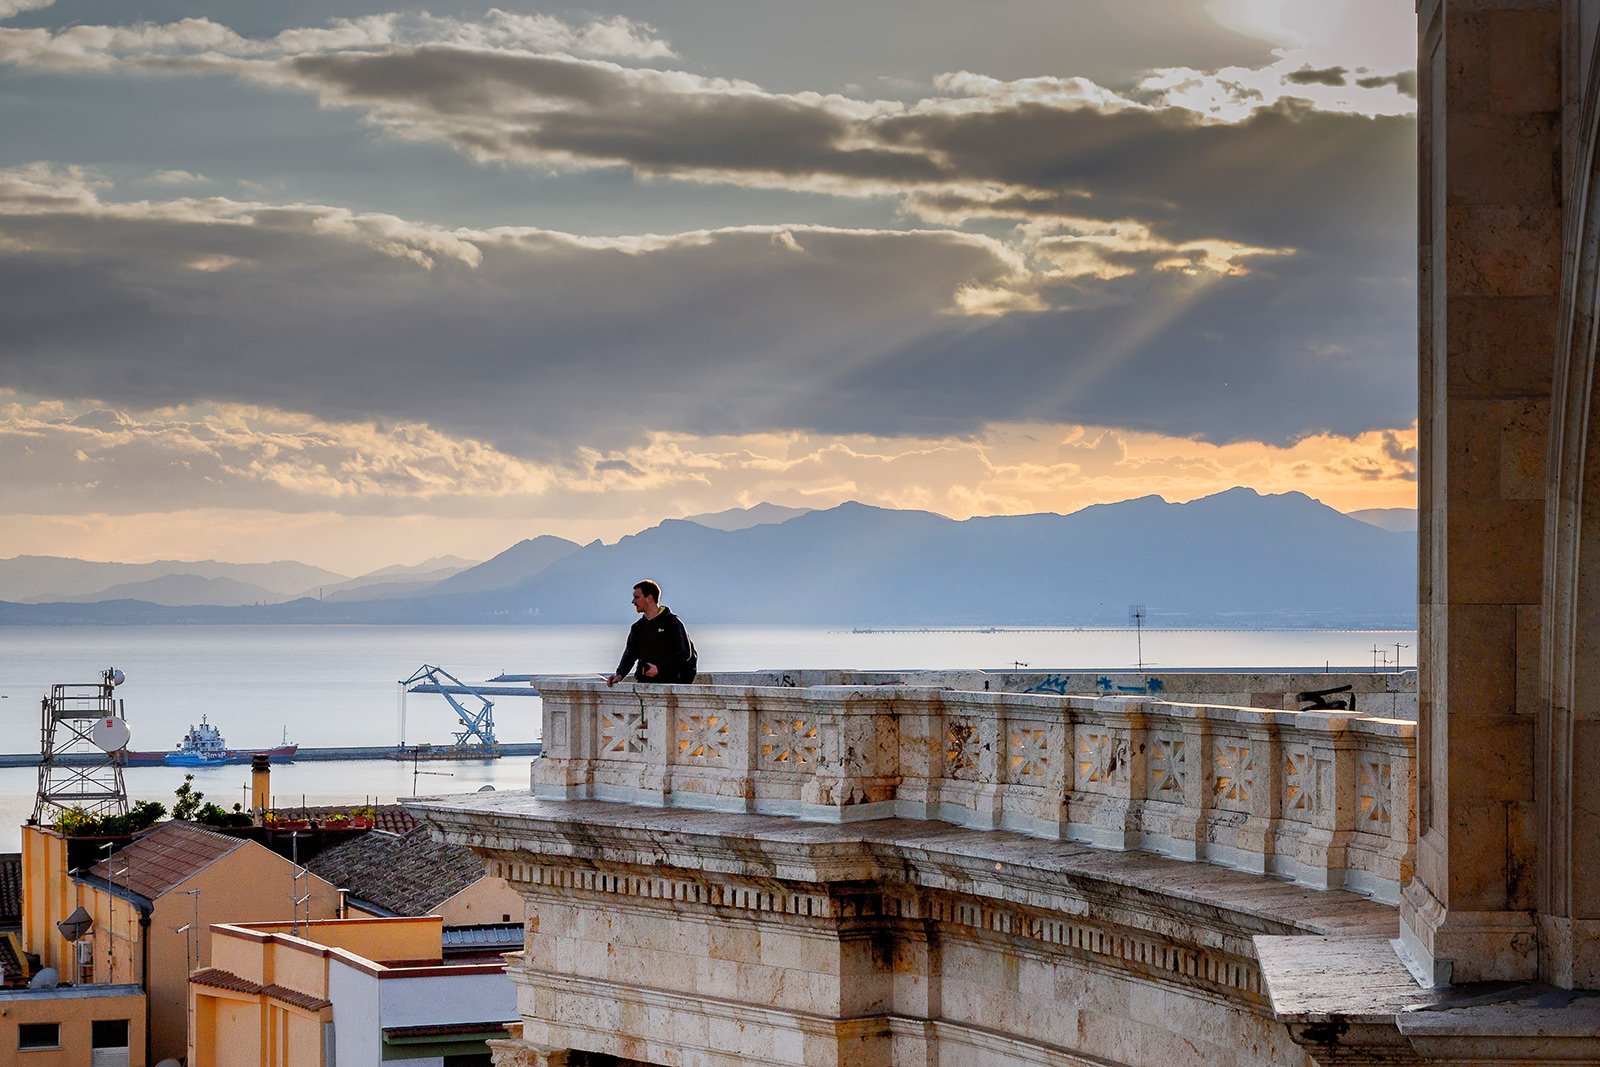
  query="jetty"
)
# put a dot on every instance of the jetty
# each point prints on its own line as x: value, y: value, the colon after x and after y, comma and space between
x: 354, y: 752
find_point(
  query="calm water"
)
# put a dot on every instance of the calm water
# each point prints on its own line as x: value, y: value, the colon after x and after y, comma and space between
x: 336, y: 685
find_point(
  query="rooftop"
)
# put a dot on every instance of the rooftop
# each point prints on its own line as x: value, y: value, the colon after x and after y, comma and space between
x: 164, y: 857
x: 408, y: 874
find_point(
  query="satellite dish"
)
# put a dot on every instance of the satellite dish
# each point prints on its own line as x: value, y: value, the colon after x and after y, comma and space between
x: 109, y: 734
x: 117, y: 677
x: 47, y: 978
x: 75, y: 925
x: 486, y: 789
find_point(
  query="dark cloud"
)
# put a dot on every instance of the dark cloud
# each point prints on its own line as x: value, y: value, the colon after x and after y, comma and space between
x: 1405, y: 82
x: 1325, y: 76
x: 532, y: 340
x: 1246, y: 279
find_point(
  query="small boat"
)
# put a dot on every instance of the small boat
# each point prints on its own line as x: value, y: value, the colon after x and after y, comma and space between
x: 203, y: 746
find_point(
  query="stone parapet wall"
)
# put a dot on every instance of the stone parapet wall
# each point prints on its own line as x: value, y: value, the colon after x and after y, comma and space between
x: 1386, y: 694
x: 1324, y: 797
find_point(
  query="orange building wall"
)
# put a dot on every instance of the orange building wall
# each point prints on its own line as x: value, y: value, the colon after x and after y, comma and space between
x: 488, y: 900
x: 74, y: 1015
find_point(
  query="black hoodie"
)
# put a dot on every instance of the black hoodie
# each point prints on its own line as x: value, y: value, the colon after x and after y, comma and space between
x: 662, y: 641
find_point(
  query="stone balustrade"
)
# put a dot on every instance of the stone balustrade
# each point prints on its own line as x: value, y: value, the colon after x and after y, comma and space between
x: 1326, y: 798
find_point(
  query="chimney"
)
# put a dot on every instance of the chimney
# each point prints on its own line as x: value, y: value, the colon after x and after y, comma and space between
x: 260, y: 785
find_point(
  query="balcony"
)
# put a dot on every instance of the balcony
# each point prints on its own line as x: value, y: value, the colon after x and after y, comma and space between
x: 1323, y: 797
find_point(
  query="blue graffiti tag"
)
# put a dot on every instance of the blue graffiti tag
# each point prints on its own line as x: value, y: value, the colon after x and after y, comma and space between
x: 1055, y: 683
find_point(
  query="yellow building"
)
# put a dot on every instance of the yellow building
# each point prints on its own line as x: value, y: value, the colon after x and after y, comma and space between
x: 281, y: 995
x: 95, y: 1025
x: 152, y: 905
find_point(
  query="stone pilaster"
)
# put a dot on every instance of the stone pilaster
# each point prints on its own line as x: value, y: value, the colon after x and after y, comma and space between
x: 1489, y: 267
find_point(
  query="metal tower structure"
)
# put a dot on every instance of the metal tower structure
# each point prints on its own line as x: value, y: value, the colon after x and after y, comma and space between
x: 477, y: 727
x: 76, y: 772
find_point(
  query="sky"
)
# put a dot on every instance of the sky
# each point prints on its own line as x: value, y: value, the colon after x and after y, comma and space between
x: 360, y: 283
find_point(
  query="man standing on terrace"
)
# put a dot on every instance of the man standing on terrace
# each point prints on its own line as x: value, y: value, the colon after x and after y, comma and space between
x: 657, y: 642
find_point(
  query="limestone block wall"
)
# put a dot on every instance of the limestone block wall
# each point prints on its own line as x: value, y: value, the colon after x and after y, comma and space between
x: 1323, y: 797
x: 707, y: 939
x: 697, y: 986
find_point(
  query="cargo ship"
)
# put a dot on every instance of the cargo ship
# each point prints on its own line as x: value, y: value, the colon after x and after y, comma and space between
x: 203, y: 746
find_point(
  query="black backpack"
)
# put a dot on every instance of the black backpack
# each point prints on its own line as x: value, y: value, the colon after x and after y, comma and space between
x: 691, y: 666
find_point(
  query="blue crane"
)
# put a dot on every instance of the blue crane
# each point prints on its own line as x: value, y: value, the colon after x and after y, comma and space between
x: 478, y: 725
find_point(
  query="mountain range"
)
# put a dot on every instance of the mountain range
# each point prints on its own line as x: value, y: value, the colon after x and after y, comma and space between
x: 1235, y: 559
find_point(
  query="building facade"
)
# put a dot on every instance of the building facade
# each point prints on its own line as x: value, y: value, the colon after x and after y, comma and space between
x: 345, y: 991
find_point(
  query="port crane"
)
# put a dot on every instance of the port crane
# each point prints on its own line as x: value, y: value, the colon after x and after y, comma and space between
x: 478, y: 726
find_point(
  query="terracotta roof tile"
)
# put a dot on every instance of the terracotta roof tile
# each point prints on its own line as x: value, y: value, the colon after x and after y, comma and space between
x: 407, y: 875
x: 217, y: 978
x: 10, y: 888
x: 163, y: 857
x: 12, y: 969
x: 295, y: 997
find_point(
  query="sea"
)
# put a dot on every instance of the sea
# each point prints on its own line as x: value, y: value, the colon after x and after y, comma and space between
x: 330, y: 686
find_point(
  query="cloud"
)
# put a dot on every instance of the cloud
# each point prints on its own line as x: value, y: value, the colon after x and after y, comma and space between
x: 234, y: 456
x: 200, y: 44
x: 532, y: 334
x: 1325, y: 76
x: 177, y: 177
x: 1405, y: 82
x: 8, y: 8
x: 61, y: 459
x: 1183, y: 253
x: 528, y: 337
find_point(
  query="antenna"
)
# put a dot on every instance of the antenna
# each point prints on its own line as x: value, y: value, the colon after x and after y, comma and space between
x: 82, y: 735
x: 1136, y: 617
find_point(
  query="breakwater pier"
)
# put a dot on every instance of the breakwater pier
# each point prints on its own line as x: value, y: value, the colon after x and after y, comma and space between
x: 353, y: 752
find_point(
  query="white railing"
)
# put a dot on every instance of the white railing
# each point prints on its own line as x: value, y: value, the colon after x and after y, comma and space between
x: 1325, y: 797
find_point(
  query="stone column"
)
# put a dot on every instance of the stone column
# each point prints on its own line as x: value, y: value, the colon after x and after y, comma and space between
x: 1568, y: 771
x: 1489, y: 270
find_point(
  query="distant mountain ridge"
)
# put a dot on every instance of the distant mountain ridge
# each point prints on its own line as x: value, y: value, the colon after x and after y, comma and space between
x: 24, y: 578
x: 1235, y: 559
x: 744, y: 518
x: 176, y: 590
x: 1401, y: 520
x: 521, y: 561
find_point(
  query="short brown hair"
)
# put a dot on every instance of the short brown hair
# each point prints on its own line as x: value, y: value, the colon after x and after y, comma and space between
x: 649, y: 589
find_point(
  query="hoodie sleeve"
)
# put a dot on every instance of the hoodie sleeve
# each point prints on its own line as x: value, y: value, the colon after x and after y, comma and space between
x: 630, y: 653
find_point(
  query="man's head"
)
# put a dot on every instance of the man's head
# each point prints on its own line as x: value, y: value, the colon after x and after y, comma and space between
x: 646, y: 595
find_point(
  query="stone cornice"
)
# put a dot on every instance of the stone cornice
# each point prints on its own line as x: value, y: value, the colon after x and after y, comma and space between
x: 834, y: 861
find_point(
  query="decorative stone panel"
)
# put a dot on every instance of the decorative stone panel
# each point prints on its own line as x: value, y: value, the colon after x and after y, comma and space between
x: 1102, y: 758
x: 787, y: 741
x: 1028, y: 754
x: 623, y: 733
x: 703, y: 737
x: 1169, y: 768
x: 963, y: 749
x: 1372, y: 796
x: 1233, y: 773
x: 1300, y: 793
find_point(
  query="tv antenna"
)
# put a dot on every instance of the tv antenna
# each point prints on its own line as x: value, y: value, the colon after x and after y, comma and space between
x: 1136, y: 617
x: 82, y: 736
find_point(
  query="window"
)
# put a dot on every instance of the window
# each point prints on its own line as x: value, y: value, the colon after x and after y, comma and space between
x: 109, y: 1033
x: 38, y: 1036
